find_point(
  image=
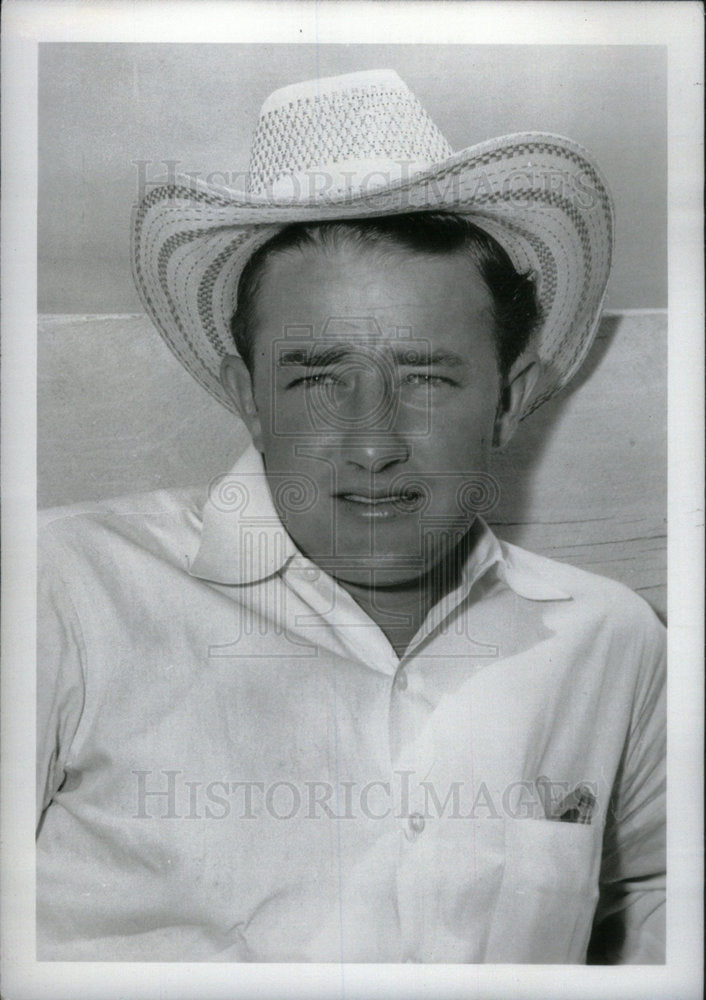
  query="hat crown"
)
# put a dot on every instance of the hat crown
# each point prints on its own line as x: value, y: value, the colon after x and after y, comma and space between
x: 340, y: 135
x: 351, y: 147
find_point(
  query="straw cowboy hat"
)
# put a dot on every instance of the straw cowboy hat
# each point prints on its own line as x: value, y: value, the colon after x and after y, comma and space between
x: 357, y: 146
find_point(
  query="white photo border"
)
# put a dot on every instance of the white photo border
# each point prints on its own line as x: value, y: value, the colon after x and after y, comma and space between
x: 676, y: 25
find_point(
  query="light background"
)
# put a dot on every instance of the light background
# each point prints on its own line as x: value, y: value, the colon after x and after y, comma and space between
x: 103, y: 107
x: 680, y: 27
x: 585, y: 478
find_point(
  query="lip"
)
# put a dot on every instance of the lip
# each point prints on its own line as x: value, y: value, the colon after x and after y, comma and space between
x: 379, y: 504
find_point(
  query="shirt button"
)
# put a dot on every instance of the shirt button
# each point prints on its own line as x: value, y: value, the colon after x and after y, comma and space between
x: 416, y: 823
x: 307, y: 572
x: 401, y: 681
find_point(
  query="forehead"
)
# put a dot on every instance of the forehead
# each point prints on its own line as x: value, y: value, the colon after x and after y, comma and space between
x: 370, y: 291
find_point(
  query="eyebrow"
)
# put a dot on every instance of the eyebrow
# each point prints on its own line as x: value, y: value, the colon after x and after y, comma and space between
x: 321, y: 356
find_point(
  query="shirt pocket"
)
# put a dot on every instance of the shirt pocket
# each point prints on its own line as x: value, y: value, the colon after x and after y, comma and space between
x: 548, y: 893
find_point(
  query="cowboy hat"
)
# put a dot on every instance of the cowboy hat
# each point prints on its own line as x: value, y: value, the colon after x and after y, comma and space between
x: 357, y: 146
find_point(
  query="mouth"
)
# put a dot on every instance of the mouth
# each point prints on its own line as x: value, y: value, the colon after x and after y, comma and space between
x: 383, y: 504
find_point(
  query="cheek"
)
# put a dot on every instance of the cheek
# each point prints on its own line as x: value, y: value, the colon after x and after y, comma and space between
x: 466, y: 428
x: 282, y: 410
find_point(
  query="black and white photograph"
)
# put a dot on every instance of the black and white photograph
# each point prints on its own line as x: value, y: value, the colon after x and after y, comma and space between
x: 348, y: 613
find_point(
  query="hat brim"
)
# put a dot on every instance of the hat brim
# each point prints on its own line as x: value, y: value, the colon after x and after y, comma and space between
x: 539, y: 195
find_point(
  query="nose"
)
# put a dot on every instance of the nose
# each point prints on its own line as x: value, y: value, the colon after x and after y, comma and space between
x: 375, y: 455
x: 368, y: 419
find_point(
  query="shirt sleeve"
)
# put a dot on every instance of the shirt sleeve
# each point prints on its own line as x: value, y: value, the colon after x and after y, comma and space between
x: 60, y: 678
x: 629, y: 927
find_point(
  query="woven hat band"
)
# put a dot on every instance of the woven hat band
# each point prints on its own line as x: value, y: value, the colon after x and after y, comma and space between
x: 350, y: 178
x: 341, y: 135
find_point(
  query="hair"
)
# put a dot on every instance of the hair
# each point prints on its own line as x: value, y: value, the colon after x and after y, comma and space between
x: 515, y: 306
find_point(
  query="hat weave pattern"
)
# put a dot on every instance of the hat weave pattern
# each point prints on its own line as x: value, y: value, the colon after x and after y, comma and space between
x: 540, y: 196
x: 374, y: 122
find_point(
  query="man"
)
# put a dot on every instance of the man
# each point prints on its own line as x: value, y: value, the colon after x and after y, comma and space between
x: 320, y: 713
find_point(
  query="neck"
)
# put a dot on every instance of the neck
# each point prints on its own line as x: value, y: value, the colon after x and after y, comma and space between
x: 399, y: 609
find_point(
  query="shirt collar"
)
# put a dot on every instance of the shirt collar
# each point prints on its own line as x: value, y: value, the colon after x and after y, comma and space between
x: 243, y: 540
x: 520, y: 570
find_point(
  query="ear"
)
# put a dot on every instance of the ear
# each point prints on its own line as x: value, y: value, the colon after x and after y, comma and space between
x: 517, y: 389
x: 236, y: 380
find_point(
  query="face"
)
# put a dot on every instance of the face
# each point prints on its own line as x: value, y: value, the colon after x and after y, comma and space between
x: 374, y: 402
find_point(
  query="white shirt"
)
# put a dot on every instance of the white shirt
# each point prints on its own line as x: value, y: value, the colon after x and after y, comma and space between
x: 235, y: 765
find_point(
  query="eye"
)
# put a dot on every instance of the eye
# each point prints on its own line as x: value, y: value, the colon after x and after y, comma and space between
x: 309, y: 381
x: 422, y: 378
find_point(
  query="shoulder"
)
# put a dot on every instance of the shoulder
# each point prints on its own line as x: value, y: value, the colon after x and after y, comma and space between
x: 157, y: 522
x: 609, y: 634
x: 599, y: 599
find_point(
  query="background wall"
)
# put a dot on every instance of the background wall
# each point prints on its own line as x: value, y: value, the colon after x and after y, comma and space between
x: 585, y: 478
x: 102, y: 107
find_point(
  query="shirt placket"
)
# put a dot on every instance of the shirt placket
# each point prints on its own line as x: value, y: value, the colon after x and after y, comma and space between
x: 410, y: 742
x: 414, y: 765
x: 411, y: 756
x: 365, y: 642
